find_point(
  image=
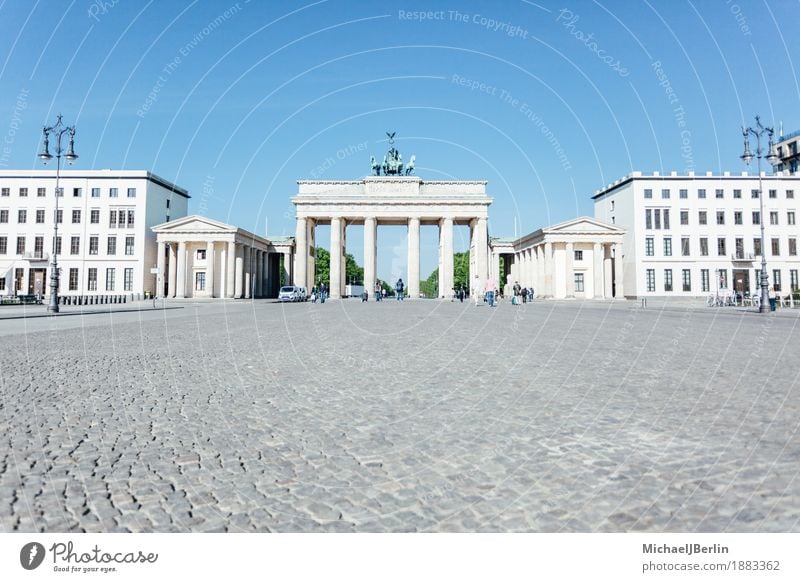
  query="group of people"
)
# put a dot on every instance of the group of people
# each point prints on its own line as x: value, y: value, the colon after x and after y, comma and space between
x: 521, y: 294
x: 320, y: 293
x: 380, y: 291
x: 485, y: 290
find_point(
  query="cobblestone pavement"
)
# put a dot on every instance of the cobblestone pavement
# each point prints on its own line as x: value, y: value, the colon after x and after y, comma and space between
x: 413, y: 416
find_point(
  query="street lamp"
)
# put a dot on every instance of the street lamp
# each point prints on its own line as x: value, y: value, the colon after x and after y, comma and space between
x: 57, y: 131
x: 747, y: 157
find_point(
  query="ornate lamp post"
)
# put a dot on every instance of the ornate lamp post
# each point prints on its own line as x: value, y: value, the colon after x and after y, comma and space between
x: 57, y: 131
x: 747, y: 157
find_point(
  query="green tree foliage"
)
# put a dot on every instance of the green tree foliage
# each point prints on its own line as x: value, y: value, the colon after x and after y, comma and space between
x: 353, y: 272
x: 430, y: 286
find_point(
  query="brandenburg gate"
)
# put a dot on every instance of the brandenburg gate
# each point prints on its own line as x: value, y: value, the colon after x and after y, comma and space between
x: 390, y: 199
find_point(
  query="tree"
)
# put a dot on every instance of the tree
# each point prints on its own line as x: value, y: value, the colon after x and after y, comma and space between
x: 353, y: 272
x: 430, y: 287
x: 323, y: 267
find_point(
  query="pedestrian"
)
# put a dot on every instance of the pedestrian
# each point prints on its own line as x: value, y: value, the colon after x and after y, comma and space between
x: 383, y: 293
x: 772, y: 298
x: 323, y: 291
x: 491, y: 289
x: 313, y: 295
x: 377, y: 290
x: 477, y: 289
x: 461, y: 293
x: 398, y: 288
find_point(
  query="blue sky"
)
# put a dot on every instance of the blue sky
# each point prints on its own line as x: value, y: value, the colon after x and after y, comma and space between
x: 236, y: 101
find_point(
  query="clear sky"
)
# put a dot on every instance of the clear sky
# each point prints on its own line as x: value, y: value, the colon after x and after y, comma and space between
x: 236, y: 101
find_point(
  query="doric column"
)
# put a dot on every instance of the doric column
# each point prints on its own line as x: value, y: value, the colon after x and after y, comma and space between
x: 618, y: 278
x: 301, y: 253
x: 161, y: 261
x: 482, y: 248
x: 230, y: 270
x: 180, y: 286
x: 607, y: 270
x: 539, y: 288
x: 446, y: 262
x: 336, y: 258
x: 311, y: 267
x: 238, y: 278
x: 597, y: 268
x: 370, y: 236
x: 548, y: 269
x: 259, y: 268
x: 569, y: 269
x: 173, y: 270
x: 287, y: 269
x: 413, y: 258
x: 343, y: 256
x: 210, y: 268
x: 248, y: 271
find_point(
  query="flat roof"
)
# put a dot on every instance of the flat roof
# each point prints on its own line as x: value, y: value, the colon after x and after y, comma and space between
x: 97, y: 174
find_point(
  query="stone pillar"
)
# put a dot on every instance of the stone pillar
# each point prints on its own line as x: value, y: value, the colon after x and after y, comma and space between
x: 259, y: 272
x: 336, y: 258
x: 161, y: 264
x: 248, y: 271
x: 548, y: 269
x: 618, y: 278
x: 230, y: 270
x: 343, y: 256
x: 482, y: 248
x: 413, y: 258
x: 370, y: 235
x: 264, y: 273
x: 539, y: 288
x: 569, y: 270
x: 173, y: 271
x: 311, y: 267
x: 180, y: 286
x: 287, y: 269
x: 238, y: 278
x: 210, y: 268
x: 607, y: 288
x: 301, y: 253
x: 597, y: 268
x: 446, y: 261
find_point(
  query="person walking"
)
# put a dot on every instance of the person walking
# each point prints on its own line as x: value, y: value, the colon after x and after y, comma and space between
x: 477, y: 290
x: 491, y: 289
x: 377, y: 290
x: 772, y: 298
x: 323, y: 291
x: 398, y: 288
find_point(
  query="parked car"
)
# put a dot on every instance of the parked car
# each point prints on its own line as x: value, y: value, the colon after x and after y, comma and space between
x: 289, y: 293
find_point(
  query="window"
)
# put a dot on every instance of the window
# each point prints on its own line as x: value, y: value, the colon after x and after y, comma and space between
x: 721, y: 247
x: 687, y: 280
x: 773, y: 217
x: 131, y: 192
x: 666, y: 219
x: 73, y: 279
x: 773, y: 193
x: 657, y: 218
x: 737, y: 193
x: 719, y: 193
x: 685, y: 246
x: 23, y: 192
x: 112, y: 219
x: 723, y: 278
x: 41, y: 192
x: 2, y: 283
x: 76, y: 216
x: 790, y: 217
x: 648, y: 219
x: 18, y: 274
x: 578, y: 255
x: 651, y: 280
x: 792, y: 247
x: 130, y: 218
x: 110, y: 276
x: 579, y: 282
x: 38, y: 247
x: 128, y: 280
x: 91, y: 279
x: 739, y: 244
x: 3, y: 216
x: 753, y: 193
x: 200, y: 281
x: 648, y: 193
x: 756, y: 217
x: 757, y: 247
x: 702, y: 217
x: 121, y: 219
x: 201, y: 254
x: 111, y: 248
x: 112, y: 193
x: 612, y: 204
x: 77, y: 192
x: 737, y: 217
x: 94, y: 244
x: 20, y: 245
x: 5, y: 191
x: 3, y: 246
x: 684, y: 193
x: 22, y: 216
x: 667, y: 246
x: 40, y: 216
x: 95, y: 194
x: 59, y: 216
x: 776, y: 247
x: 667, y: 279
x: 720, y: 217
x: 758, y: 280
x: 705, y: 287
x: 776, y: 280
x: 793, y: 279
x: 75, y: 245
x: 57, y: 246
x: 649, y: 246
x: 701, y: 193
x: 94, y: 217
x: 703, y: 247
x: 790, y: 193
x: 129, y: 245
x: 665, y: 194
x: 684, y: 217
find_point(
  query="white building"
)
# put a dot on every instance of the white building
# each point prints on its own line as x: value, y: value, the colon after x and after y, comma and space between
x: 788, y: 151
x: 105, y: 247
x: 695, y: 235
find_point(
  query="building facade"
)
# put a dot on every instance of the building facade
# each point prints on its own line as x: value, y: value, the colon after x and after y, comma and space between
x: 105, y: 244
x: 692, y: 235
x: 788, y: 151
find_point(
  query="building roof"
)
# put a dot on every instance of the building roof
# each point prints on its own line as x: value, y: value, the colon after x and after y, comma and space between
x: 96, y: 175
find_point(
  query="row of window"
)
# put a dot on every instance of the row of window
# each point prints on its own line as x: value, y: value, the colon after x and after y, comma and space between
x: 76, y: 192
x: 705, y: 281
x: 719, y: 193
x: 722, y: 247
x: 121, y: 218
x: 74, y: 247
x: 653, y: 218
x: 72, y: 279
